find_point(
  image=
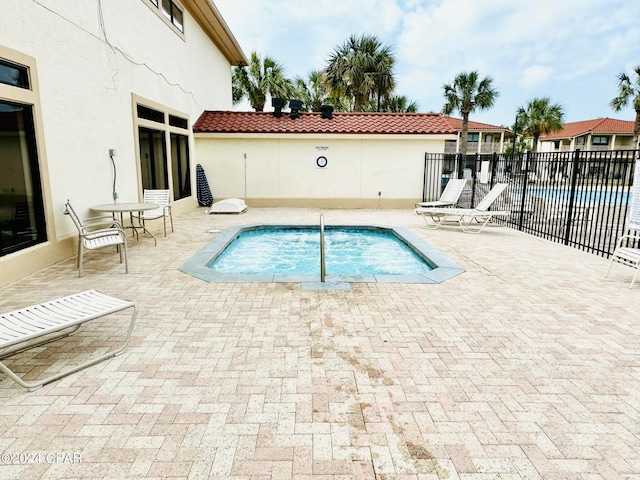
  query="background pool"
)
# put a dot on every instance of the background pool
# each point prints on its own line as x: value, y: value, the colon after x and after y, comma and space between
x: 297, y: 251
x: 585, y: 195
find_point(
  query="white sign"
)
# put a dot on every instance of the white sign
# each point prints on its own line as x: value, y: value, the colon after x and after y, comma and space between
x: 634, y: 213
x: 484, y: 172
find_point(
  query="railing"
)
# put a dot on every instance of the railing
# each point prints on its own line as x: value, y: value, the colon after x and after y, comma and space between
x: 322, y: 264
x: 581, y: 199
x: 472, y: 147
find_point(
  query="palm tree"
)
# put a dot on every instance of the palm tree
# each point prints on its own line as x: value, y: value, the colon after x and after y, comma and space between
x: 465, y: 94
x: 385, y: 81
x: 399, y: 104
x: 259, y: 79
x: 341, y: 103
x: 540, y: 117
x: 629, y: 92
x: 313, y: 90
x: 362, y: 67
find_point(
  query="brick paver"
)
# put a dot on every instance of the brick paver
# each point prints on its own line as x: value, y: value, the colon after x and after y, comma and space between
x: 527, y: 366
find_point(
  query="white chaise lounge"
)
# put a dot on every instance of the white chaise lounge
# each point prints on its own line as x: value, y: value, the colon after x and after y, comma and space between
x: 471, y: 220
x: 450, y: 195
x: 626, y: 254
x: 38, y: 324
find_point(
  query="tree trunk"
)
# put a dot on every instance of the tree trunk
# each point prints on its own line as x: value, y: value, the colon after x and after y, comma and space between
x: 465, y: 132
x: 636, y: 130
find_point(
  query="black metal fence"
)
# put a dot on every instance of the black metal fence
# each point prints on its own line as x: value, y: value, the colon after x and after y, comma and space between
x: 579, y: 198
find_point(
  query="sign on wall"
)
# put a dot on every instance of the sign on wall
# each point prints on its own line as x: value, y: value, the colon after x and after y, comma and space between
x: 320, y: 159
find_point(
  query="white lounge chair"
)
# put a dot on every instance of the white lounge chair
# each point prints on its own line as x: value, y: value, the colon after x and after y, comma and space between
x: 449, y: 196
x: 162, y: 199
x: 627, y: 255
x: 39, y: 324
x: 464, y: 216
x: 91, y: 238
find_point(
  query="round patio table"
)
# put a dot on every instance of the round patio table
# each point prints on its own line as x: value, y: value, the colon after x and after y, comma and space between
x: 122, y: 208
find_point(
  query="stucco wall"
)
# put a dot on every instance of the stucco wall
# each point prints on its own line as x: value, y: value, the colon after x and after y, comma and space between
x: 86, y: 77
x: 363, y: 170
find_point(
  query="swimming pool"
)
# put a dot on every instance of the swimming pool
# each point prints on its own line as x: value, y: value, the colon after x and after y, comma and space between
x: 290, y: 253
x: 585, y: 195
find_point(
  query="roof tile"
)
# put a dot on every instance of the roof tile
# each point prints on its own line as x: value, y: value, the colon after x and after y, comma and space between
x: 312, y: 122
x: 597, y: 125
x: 473, y: 126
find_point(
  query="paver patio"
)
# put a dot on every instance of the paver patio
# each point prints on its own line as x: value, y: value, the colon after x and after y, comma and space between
x: 527, y: 366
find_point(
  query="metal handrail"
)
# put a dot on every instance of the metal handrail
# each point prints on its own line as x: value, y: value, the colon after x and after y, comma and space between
x: 322, y: 265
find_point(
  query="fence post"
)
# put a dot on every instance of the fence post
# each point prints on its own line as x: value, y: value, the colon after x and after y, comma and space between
x: 574, y: 180
x: 494, y: 167
x: 525, y: 182
x: 424, y: 179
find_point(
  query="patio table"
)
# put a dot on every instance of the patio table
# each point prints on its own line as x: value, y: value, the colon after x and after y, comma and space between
x: 122, y: 208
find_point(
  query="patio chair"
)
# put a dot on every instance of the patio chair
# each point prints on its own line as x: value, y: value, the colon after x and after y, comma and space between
x: 449, y: 196
x: 464, y: 216
x: 626, y: 254
x: 160, y: 198
x: 93, y: 233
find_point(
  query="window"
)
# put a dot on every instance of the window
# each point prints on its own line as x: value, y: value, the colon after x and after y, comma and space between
x: 600, y: 140
x: 14, y: 74
x: 22, y: 219
x: 180, y: 166
x: 164, y: 150
x: 178, y: 122
x: 488, y: 138
x: 150, y: 114
x: 153, y: 159
x: 473, y: 137
x: 172, y: 13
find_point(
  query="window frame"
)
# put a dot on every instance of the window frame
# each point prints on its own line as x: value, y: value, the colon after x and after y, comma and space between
x: 599, y: 138
x: 170, y: 14
x: 157, y: 6
x: 168, y: 129
x: 23, y: 72
x: 39, y: 175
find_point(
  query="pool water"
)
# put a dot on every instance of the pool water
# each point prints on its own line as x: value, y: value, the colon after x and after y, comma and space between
x: 297, y: 251
x: 586, y: 195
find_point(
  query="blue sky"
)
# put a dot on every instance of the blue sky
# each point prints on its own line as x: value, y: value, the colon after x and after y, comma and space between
x: 568, y: 50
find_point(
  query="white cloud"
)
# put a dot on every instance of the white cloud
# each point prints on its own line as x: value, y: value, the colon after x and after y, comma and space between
x: 556, y: 48
x: 534, y: 76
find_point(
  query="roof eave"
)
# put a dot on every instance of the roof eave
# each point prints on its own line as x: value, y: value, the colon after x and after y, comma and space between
x: 211, y: 21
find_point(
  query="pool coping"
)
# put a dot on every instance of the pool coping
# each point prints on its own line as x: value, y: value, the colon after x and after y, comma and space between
x: 443, y: 267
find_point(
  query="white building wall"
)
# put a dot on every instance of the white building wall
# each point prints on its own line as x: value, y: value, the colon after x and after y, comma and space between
x: 91, y: 57
x: 281, y: 170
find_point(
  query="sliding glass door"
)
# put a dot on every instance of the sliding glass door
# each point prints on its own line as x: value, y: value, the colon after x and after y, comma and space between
x: 153, y: 159
x: 22, y: 219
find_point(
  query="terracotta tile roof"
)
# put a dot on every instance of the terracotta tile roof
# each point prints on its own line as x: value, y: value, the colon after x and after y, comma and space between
x: 312, y: 122
x: 597, y: 125
x: 474, y: 126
